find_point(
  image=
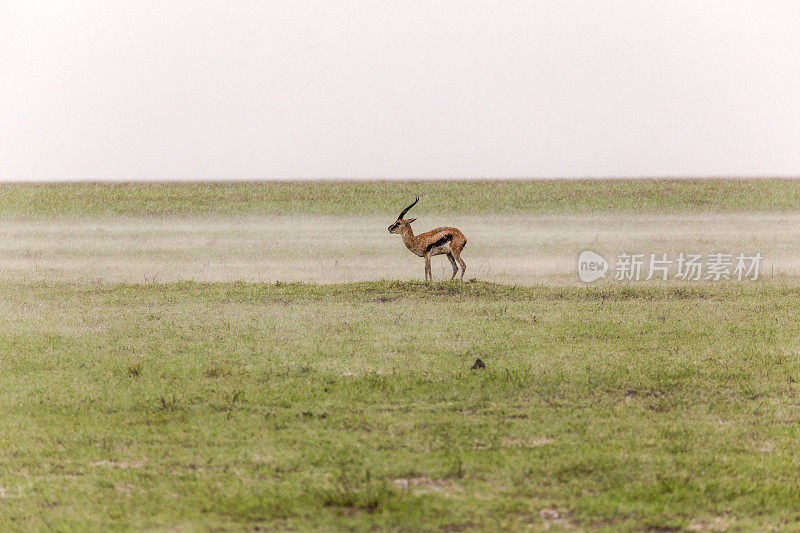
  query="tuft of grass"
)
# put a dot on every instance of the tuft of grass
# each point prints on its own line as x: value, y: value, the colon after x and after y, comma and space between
x: 134, y: 370
x: 217, y: 371
x: 356, y: 493
x: 169, y: 403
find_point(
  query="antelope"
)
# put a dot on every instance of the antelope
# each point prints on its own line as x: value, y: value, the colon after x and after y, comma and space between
x: 444, y: 240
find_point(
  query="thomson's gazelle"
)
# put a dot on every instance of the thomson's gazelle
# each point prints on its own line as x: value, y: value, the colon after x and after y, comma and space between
x: 443, y: 240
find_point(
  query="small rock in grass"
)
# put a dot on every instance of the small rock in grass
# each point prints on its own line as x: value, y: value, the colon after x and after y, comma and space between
x: 552, y: 514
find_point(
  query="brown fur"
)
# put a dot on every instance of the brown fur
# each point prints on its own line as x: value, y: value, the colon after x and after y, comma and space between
x: 421, y: 244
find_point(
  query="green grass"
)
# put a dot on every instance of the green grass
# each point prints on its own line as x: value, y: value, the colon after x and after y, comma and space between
x: 347, y: 198
x: 233, y: 405
x: 354, y: 406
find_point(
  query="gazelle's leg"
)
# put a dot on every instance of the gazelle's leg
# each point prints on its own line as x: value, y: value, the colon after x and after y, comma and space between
x: 453, y: 264
x: 460, y: 262
x: 428, y: 267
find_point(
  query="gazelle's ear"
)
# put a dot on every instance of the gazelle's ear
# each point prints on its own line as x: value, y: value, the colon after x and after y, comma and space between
x: 410, y: 220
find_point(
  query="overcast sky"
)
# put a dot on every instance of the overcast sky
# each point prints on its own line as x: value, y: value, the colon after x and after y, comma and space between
x: 373, y: 89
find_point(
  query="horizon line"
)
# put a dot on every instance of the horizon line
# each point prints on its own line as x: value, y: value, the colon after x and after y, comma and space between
x: 342, y: 179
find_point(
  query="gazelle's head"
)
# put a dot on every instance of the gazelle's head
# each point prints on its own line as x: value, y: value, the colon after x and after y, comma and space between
x: 400, y: 224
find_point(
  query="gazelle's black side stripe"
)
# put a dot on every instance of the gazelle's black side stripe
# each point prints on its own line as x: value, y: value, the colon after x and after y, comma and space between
x: 443, y: 240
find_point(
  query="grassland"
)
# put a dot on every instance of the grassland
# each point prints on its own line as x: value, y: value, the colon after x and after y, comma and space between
x: 232, y: 405
x: 326, y: 232
x: 241, y: 405
x: 377, y: 198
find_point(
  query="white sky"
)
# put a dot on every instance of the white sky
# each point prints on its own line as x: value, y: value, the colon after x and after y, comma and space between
x: 277, y: 89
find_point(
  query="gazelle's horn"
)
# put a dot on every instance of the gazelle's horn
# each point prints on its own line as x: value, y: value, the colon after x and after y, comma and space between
x: 404, y: 211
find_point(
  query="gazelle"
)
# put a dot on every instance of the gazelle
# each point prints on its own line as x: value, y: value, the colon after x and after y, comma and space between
x: 438, y: 241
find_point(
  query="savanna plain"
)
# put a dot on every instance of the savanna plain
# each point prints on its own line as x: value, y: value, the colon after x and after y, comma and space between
x: 265, y: 356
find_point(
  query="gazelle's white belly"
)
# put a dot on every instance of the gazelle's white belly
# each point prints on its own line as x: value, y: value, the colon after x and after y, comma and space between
x: 443, y: 249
